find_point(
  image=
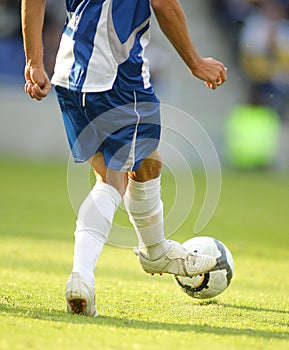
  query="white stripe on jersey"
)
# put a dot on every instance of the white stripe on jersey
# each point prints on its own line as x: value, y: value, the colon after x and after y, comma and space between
x: 64, y: 62
x: 144, y: 40
x: 102, y: 64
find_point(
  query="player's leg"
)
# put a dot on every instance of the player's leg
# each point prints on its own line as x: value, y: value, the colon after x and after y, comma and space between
x: 145, y: 208
x: 92, y: 229
x: 95, y: 218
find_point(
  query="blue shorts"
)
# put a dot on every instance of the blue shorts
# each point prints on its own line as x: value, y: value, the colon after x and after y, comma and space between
x: 123, y: 125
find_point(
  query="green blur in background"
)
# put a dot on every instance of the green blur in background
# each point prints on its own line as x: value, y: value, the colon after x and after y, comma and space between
x: 252, y: 134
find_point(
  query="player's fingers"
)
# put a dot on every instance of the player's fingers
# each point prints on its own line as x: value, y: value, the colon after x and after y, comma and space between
x: 220, y: 81
x: 27, y: 86
x: 40, y: 92
x: 32, y: 90
x: 29, y: 89
x: 37, y: 93
x: 211, y: 86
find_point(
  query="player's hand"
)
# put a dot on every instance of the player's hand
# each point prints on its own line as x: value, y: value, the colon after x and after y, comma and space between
x: 37, y: 82
x: 213, y: 72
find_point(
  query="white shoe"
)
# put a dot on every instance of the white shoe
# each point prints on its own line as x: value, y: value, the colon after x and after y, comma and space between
x: 80, y: 296
x: 177, y: 261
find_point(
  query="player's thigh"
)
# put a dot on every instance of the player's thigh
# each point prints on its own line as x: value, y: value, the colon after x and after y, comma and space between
x: 98, y: 165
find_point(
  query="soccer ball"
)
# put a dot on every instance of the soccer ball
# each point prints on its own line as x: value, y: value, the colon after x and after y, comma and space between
x: 210, y: 284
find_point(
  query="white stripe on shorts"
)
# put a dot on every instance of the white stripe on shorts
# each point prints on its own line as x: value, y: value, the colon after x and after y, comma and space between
x: 129, y: 163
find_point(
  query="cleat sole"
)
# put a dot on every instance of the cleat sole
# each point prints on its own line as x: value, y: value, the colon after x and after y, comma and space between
x: 77, y: 306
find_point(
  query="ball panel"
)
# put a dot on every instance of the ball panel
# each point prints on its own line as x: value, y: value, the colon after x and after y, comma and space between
x: 202, y: 245
x: 223, y: 262
x: 213, y: 283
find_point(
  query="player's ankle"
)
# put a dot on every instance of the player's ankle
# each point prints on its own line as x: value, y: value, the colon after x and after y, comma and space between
x: 157, y: 250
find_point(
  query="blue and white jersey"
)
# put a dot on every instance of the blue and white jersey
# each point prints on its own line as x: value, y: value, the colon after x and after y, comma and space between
x: 102, y: 44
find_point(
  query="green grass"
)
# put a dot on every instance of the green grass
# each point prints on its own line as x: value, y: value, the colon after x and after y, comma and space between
x: 138, y: 311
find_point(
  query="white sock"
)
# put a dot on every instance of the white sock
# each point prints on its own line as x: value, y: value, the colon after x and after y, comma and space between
x: 92, y: 228
x: 145, y: 208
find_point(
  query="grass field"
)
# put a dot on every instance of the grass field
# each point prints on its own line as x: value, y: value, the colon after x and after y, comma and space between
x: 138, y: 311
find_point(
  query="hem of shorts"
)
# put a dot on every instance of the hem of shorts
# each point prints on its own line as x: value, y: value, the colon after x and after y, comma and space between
x: 78, y: 160
x: 135, y: 166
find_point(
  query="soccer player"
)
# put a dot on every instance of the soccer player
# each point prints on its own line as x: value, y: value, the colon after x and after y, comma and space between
x: 111, y: 115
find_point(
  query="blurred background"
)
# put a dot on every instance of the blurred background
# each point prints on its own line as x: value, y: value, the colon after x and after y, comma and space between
x: 247, y: 119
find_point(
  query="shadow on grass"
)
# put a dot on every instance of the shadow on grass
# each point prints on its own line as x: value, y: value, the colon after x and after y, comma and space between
x: 252, y: 308
x: 125, y: 322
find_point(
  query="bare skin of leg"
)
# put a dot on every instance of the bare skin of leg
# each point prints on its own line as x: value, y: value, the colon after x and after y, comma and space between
x: 150, y: 168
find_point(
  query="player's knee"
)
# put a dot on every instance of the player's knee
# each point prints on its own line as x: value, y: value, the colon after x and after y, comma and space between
x: 148, y: 170
x: 155, y: 168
